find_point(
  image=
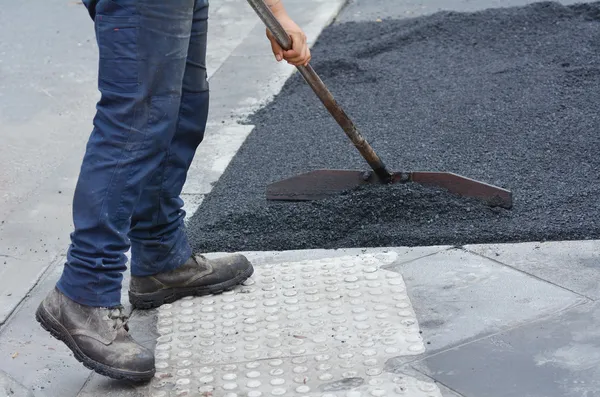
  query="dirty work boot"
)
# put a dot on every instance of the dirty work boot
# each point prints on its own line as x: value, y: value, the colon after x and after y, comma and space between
x: 198, y: 276
x: 97, y: 336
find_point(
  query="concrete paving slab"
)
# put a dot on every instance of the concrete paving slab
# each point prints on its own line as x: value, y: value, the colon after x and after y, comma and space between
x: 557, y: 357
x: 11, y: 388
x: 31, y: 356
x: 311, y: 327
x: 574, y: 265
x: 459, y: 296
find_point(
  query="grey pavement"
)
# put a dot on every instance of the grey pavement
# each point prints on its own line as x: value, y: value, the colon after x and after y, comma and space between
x: 494, y: 320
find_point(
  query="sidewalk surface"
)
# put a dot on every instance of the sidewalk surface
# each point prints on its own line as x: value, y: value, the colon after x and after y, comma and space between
x: 506, y: 320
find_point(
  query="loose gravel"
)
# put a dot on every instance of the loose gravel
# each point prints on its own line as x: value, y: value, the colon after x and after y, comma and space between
x: 507, y: 96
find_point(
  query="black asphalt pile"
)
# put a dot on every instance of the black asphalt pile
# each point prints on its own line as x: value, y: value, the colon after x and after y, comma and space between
x: 507, y: 96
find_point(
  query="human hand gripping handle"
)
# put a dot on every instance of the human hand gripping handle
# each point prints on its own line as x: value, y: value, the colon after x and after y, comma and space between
x: 288, y: 41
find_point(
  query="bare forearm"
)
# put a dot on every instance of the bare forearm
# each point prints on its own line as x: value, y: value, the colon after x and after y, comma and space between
x: 276, y: 6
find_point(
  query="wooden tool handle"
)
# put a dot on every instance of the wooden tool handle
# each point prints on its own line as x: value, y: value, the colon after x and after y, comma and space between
x: 315, y: 82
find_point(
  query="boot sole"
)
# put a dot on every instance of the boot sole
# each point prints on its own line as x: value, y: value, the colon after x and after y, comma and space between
x: 155, y: 299
x: 50, y: 324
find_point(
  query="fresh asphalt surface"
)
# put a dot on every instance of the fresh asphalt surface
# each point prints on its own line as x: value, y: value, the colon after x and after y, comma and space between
x: 507, y: 96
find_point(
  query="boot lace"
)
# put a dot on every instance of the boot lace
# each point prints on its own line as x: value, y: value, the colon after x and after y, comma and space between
x: 119, y: 318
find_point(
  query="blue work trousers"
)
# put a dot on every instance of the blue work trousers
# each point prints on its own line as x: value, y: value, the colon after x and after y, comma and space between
x: 149, y: 121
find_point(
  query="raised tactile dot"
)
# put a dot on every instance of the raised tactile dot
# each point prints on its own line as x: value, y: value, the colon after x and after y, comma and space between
x: 206, y: 379
x: 370, y: 269
x: 300, y: 369
x: 353, y: 394
x: 374, y: 371
x: 162, y: 356
x: 277, y: 381
x: 326, y: 376
x: 300, y: 379
x: 415, y: 348
x: 230, y: 386
x: 253, y: 384
x: 254, y: 393
x: 276, y: 372
x: 229, y: 376
x: 323, y: 367
x: 370, y: 362
x: 253, y: 374
x: 161, y: 365
x: 350, y: 374
x: 183, y: 382
x: 278, y: 391
x: 164, y: 339
x: 346, y: 365
x: 303, y: 389
x: 184, y: 372
x: 378, y: 393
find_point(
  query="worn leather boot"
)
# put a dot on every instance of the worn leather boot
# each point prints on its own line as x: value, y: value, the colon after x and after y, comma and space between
x: 97, y: 336
x: 198, y: 276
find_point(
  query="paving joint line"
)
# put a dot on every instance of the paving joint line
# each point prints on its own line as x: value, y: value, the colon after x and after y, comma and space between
x: 436, y: 381
x: 531, y: 275
x: 19, y: 304
x: 469, y: 341
x: 400, y: 262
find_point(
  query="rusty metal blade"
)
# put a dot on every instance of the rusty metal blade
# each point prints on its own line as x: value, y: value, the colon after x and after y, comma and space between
x: 320, y: 184
x: 493, y: 196
x: 316, y: 185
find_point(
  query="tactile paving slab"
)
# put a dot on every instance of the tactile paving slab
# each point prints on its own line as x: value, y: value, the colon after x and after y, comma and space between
x: 311, y: 328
